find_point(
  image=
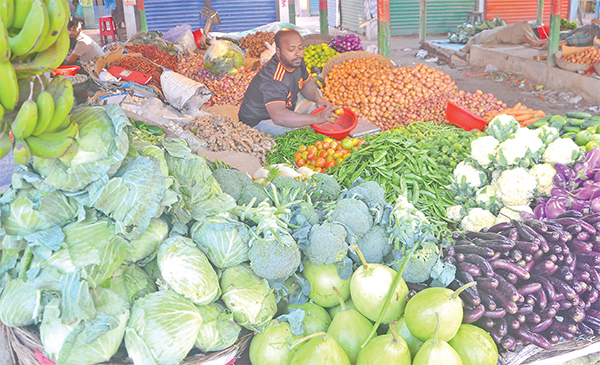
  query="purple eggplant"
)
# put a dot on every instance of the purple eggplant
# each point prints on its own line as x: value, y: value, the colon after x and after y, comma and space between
x: 540, y: 211
x: 552, y: 236
x: 564, y: 327
x: 512, y: 322
x: 544, y: 268
x: 470, y: 316
x: 504, y: 244
x: 556, y: 206
x: 495, y: 335
x: 593, y: 295
x: 536, y: 224
x: 526, y: 309
x: 470, y: 297
x: 553, y: 337
x: 563, y: 287
x: 535, y: 338
x: 565, y: 304
x: 563, y: 169
x: 500, y: 227
x: 485, y: 322
x: 509, y: 342
x: 573, y: 228
x: 548, y: 287
x: 470, y: 268
x: 592, y: 218
x: 565, y: 273
x: 541, y: 326
x: 507, y: 288
x: 585, y: 329
x: 516, y: 255
x: 527, y: 246
x: 511, y: 278
x: 529, y: 288
x: 575, y: 221
x: 567, y: 335
x: 571, y: 214
x: 541, y: 299
x: 509, y: 306
x: 486, y: 267
x: 481, y: 251
x: 533, y: 318
x: 549, y: 312
x: 510, y: 267
x: 488, y: 300
x: 487, y: 283
x: 495, y: 314
x: 583, y: 236
x: 577, y: 314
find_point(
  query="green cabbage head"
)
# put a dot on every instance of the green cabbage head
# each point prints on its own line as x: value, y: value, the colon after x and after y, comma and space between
x: 218, y: 330
x: 223, y: 240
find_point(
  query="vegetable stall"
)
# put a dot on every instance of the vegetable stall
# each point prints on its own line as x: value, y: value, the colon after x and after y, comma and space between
x: 424, y: 243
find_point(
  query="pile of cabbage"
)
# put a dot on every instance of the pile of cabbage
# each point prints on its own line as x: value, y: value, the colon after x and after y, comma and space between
x: 466, y: 30
x: 126, y: 241
x: 508, y: 169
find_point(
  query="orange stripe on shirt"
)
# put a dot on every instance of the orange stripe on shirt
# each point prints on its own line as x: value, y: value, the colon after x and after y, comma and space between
x: 279, y: 73
x: 274, y: 101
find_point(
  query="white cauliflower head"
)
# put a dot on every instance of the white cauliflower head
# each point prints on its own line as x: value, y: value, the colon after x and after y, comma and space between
x: 530, y: 138
x: 511, y: 151
x: 455, y: 213
x: 473, y: 177
x: 477, y: 219
x: 563, y: 150
x: 516, y: 187
x: 548, y: 134
x: 508, y: 213
x: 544, y: 174
x: 484, y: 149
x: 486, y: 198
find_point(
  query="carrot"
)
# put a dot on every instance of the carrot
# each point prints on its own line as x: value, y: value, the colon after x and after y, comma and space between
x: 517, y: 107
x: 521, y: 112
x: 529, y: 121
x: 522, y: 118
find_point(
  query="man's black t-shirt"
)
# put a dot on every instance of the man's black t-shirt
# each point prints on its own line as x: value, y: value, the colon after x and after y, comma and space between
x: 274, y: 83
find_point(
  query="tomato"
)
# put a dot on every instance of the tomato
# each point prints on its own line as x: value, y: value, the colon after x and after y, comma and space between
x: 320, y: 162
x: 304, y: 154
x: 336, y: 155
x: 334, y: 145
x: 328, y: 140
x: 339, y: 160
x: 319, y: 145
x: 339, y: 111
x: 354, y: 142
x: 326, y: 145
x: 302, y: 148
x: 311, y: 155
x: 331, y: 151
x: 323, y: 154
x: 360, y: 142
x: 330, y: 164
x: 297, y: 156
x: 301, y: 162
x: 347, y: 143
x: 311, y: 148
x: 344, y: 151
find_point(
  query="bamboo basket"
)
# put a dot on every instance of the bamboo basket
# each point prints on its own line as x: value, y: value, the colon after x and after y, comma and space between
x: 25, y: 348
x: 314, y: 39
x: 569, y: 66
x: 343, y: 57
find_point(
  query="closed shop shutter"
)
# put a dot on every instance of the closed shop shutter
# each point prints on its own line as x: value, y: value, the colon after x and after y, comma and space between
x: 240, y: 15
x: 442, y: 15
x: 314, y: 7
x: 352, y: 14
x: 163, y: 15
x: 332, y: 13
x: 514, y: 11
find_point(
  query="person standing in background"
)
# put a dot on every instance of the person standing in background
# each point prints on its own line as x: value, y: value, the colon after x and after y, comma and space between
x: 118, y: 15
x: 77, y: 13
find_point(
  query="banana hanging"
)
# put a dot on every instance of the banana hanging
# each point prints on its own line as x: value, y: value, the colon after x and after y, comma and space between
x: 26, y: 119
x: 7, y: 12
x: 34, y: 30
x: 21, y: 152
x: 58, y: 15
x: 22, y: 10
x: 4, y: 45
x: 45, y: 106
x: 9, y: 91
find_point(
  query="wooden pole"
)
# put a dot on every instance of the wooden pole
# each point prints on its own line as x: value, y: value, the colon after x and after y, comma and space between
x: 422, y: 20
x: 323, y: 16
x: 142, y: 12
x: 539, y: 20
x: 554, y: 32
x: 292, y: 7
x: 383, y: 27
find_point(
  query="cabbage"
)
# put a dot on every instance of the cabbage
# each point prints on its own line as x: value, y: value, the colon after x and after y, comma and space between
x: 224, y: 241
x: 19, y: 304
x: 147, y: 243
x: 131, y: 283
x: 187, y: 270
x: 162, y: 329
x: 85, y: 342
x: 248, y: 297
x: 218, y: 330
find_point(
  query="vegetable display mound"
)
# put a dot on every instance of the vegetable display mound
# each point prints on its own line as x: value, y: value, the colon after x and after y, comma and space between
x: 587, y: 57
x: 155, y: 55
x: 346, y: 43
x: 318, y: 55
x: 226, y: 89
x: 284, y: 147
x: 222, y: 133
x: 415, y: 160
x: 254, y: 44
x: 142, y: 65
x: 389, y: 97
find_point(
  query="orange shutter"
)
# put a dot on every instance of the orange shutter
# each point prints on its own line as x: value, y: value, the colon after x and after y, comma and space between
x: 514, y: 11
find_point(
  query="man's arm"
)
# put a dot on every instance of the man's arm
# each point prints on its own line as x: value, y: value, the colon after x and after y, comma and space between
x: 311, y: 92
x: 72, y: 58
x: 287, y: 118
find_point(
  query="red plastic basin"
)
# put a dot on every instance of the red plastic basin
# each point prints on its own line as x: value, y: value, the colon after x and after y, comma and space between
x: 348, y: 120
x: 65, y: 70
x: 463, y: 118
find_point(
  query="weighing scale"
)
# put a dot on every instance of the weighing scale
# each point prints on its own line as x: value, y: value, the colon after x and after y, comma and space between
x: 210, y: 16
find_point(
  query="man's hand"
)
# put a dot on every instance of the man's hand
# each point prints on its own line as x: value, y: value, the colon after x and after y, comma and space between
x: 326, y: 115
x: 322, y: 102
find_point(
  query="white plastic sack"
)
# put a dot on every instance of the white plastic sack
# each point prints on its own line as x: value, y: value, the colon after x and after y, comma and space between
x: 267, y: 54
x: 172, y: 34
x: 188, y: 41
x: 178, y: 90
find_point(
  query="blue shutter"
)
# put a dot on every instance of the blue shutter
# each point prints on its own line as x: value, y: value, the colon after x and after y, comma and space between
x: 314, y: 7
x: 163, y: 15
x: 240, y: 15
x: 332, y: 13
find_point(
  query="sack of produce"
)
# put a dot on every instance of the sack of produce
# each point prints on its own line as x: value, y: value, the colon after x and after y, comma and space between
x: 178, y: 90
x: 224, y: 56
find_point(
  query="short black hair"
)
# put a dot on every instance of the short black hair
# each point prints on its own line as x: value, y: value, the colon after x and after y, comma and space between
x: 73, y: 23
x: 282, y: 33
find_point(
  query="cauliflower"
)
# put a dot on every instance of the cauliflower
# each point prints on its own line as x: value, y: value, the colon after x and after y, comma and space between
x: 508, y: 213
x: 530, y: 138
x: 548, y: 134
x: 511, y: 152
x: 473, y: 177
x: 544, y: 174
x: 501, y: 127
x: 516, y: 187
x: 563, y: 150
x: 484, y: 149
x: 486, y: 198
x: 477, y: 219
x: 455, y: 213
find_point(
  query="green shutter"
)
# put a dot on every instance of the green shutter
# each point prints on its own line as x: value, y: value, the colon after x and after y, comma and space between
x: 352, y: 14
x: 442, y: 15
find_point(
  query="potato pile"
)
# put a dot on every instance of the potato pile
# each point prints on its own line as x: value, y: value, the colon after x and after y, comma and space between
x: 587, y: 57
x: 388, y: 97
x: 254, y: 44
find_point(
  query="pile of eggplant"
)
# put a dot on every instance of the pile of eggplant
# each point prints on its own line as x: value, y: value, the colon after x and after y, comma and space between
x: 537, y: 281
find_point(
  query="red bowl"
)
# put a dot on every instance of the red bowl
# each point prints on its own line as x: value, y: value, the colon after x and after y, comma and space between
x: 348, y: 119
x: 66, y: 70
x: 463, y: 118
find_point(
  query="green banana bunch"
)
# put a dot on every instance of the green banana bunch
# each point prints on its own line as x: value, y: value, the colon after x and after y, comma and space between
x: 63, y: 102
x: 45, y: 107
x: 34, y: 30
x: 41, y: 146
x: 21, y: 152
x: 25, y: 121
x: 58, y: 15
x: 9, y: 91
x: 48, y: 59
x: 4, y: 45
x: 7, y: 12
x: 22, y: 9
x: 5, y: 141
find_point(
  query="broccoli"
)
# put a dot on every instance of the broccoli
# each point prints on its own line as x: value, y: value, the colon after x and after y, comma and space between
x: 323, y: 188
x: 304, y: 212
x: 418, y: 268
x: 288, y: 189
x: 251, y: 191
x: 231, y: 181
x: 370, y: 192
x: 327, y: 244
x: 274, y: 256
x: 354, y: 214
x: 374, y: 245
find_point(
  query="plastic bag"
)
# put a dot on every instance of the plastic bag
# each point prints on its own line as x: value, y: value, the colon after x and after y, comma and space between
x: 223, y: 56
x: 172, y: 34
x: 268, y: 54
x: 187, y: 41
x: 179, y: 91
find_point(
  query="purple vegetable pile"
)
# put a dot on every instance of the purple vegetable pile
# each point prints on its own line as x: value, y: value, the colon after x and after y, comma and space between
x: 346, y: 43
x: 537, y: 280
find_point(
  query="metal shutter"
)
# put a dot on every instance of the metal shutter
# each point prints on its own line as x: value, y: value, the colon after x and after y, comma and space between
x: 442, y: 15
x: 240, y: 15
x: 515, y: 11
x: 352, y: 14
x: 163, y: 15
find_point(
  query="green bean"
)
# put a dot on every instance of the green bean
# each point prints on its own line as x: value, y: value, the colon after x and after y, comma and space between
x: 287, y: 145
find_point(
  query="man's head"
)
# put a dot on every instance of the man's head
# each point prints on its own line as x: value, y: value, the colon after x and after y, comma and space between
x: 288, y: 47
x: 74, y: 28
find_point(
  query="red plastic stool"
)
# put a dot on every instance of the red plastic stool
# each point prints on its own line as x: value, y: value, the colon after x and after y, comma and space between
x: 108, y: 27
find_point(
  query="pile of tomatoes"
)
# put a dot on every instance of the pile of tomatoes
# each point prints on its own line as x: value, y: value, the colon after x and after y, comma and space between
x: 325, y: 154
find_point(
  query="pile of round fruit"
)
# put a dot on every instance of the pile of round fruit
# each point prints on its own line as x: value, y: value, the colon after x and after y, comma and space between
x: 317, y: 56
x: 326, y: 154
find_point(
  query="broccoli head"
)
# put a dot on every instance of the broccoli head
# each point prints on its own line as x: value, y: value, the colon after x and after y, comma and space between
x: 354, y: 214
x: 326, y: 244
x: 374, y: 245
x: 274, y: 256
x: 418, y: 268
x: 231, y: 181
x: 304, y: 212
x: 288, y: 189
x: 370, y: 192
x: 323, y: 188
x: 251, y: 191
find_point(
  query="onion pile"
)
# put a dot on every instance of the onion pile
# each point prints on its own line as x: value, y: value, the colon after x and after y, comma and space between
x: 254, y: 44
x: 587, y: 57
x: 346, y: 43
x: 388, y: 97
x: 226, y: 89
x: 478, y: 103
